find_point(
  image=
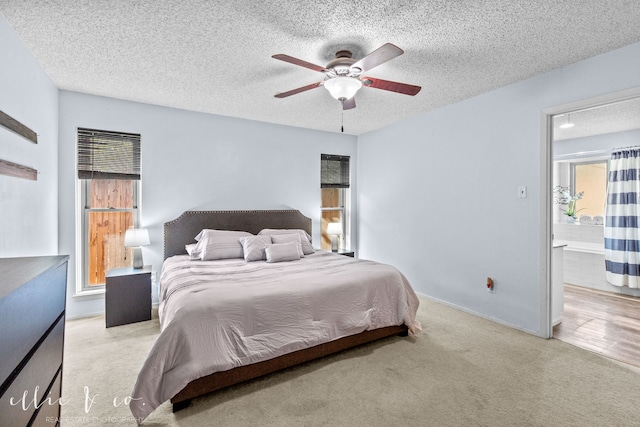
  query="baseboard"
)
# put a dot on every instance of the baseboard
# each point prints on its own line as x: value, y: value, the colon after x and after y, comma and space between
x: 481, y: 315
x: 154, y: 314
x: 85, y: 315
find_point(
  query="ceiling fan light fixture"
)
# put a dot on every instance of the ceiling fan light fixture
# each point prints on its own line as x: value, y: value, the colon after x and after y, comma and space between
x: 342, y: 87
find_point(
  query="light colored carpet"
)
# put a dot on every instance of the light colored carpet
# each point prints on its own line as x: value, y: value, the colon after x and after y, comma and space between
x: 461, y: 371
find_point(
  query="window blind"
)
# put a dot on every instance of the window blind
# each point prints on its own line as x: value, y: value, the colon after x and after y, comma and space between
x: 108, y: 155
x: 334, y: 171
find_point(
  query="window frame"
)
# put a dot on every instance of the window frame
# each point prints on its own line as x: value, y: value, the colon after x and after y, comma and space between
x: 83, y: 286
x: 572, y: 173
x: 335, y: 173
x: 103, y: 155
x: 342, y: 208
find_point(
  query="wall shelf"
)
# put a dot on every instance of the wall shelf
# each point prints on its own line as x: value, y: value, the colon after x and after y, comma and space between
x: 15, y: 126
x: 19, y: 171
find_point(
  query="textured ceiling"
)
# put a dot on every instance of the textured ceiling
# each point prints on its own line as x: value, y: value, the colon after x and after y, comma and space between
x: 215, y: 56
x: 610, y: 118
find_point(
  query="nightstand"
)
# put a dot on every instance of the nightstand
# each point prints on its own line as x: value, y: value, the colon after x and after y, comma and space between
x: 345, y: 252
x: 127, y: 295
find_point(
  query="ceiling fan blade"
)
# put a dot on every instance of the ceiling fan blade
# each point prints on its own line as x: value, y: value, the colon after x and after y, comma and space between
x: 348, y: 104
x: 384, y: 53
x: 298, y: 90
x: 300, y: 62
x: 403, y: 88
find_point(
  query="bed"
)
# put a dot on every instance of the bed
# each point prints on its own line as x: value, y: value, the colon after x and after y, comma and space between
x: 222, y: 321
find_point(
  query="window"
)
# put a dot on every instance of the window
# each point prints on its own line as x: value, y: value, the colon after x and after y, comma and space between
x: 109, y: 174
x: 590, y: 178
x: 334, y: 185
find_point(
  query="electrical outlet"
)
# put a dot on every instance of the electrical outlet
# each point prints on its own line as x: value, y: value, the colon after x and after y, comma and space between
x: 154, y: 276
x: 491, y: 285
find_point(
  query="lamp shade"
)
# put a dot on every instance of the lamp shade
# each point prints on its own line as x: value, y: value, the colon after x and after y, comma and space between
x: 334, y: 228
x: 134, y: 237
x: 342, y: 88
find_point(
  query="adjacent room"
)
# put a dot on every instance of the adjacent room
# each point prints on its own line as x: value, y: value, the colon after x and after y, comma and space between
x: 338, y: 213
x: 594, y: 311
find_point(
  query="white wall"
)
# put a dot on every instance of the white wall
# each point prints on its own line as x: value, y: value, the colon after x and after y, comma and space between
x: 438, y: 193
x: 193, y: 161
x: 28, y: 209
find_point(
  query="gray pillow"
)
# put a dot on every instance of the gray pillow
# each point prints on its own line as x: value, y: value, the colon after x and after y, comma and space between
x: 205, y: 231
x: 253, y: 247
x: 193, y: 251
x: 215, y: 245
x: 279, y: 252
x: 305, y: 238
x: 286, y: 238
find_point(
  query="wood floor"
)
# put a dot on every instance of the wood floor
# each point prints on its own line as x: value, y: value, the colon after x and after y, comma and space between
x: 602, y: 322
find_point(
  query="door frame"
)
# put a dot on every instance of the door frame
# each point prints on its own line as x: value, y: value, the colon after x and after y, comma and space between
x: 546, y: 198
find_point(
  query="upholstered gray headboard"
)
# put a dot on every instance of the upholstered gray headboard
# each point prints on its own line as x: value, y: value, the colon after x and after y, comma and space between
x: 182, y: 230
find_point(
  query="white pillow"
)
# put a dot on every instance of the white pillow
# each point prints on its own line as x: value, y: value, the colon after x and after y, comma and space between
x: 305, y: 238
x: 279, y: 252
x: 253, y: 247
x: 193, y: 251
x: 215, y: 245
x: 286, y: 238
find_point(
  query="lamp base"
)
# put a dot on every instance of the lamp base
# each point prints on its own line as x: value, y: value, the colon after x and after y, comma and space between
x: 334, y: 243
x: 137, y: 257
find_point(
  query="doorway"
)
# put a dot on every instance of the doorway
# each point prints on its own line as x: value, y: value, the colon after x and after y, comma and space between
x: 592, y: 129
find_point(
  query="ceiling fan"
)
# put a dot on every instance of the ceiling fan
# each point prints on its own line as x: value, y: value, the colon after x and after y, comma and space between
x: 343, y: 75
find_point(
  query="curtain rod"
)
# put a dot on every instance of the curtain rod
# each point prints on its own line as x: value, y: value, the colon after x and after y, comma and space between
x: 586, y: 153
x: 630, y: 147
x: 594, y: 153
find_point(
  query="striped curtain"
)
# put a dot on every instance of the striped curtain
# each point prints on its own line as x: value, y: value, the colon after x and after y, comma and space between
x: 621, y: 237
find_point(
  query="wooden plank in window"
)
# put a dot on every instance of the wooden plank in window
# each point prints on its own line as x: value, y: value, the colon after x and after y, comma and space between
x: 17, y: 127
x: 19, y: 171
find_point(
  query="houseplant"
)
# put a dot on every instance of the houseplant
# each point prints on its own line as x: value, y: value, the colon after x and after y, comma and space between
x: 565, y: 198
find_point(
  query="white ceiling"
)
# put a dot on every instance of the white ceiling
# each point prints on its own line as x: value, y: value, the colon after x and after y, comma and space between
x: 609, y: 118
x: 215, y: 56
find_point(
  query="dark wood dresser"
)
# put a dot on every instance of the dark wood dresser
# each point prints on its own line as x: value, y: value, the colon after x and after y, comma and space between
x: 32, y: 308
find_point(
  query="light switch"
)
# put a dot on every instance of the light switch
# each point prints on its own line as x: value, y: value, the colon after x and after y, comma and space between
x: 522, y: 192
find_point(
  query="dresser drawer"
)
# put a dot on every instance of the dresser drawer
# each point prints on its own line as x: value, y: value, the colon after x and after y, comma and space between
x: 49, y: 413
x: 34, y: 379
x: 27, y: 313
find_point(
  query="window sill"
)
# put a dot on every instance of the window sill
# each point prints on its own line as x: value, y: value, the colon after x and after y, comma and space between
x: 89, y: 294
x: 578, y: 223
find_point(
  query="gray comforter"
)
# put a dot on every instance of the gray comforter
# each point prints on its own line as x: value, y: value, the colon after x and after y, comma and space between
x: 217, y: 315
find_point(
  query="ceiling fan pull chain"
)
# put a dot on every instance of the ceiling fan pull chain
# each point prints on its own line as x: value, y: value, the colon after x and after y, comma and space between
x: 342, y: 120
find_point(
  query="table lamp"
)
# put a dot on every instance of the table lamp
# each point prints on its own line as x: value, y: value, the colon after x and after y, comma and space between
x: 334, y: 229
x: 134, y: 238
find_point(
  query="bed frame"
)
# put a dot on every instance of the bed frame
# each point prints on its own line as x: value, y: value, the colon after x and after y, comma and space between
x: 181, y: 231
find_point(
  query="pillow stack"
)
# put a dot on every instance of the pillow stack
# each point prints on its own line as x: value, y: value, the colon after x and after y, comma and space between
x: 271, y: 245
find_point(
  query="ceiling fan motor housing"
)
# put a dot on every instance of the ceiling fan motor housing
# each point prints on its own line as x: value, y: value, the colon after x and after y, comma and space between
x: 341, y: 65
